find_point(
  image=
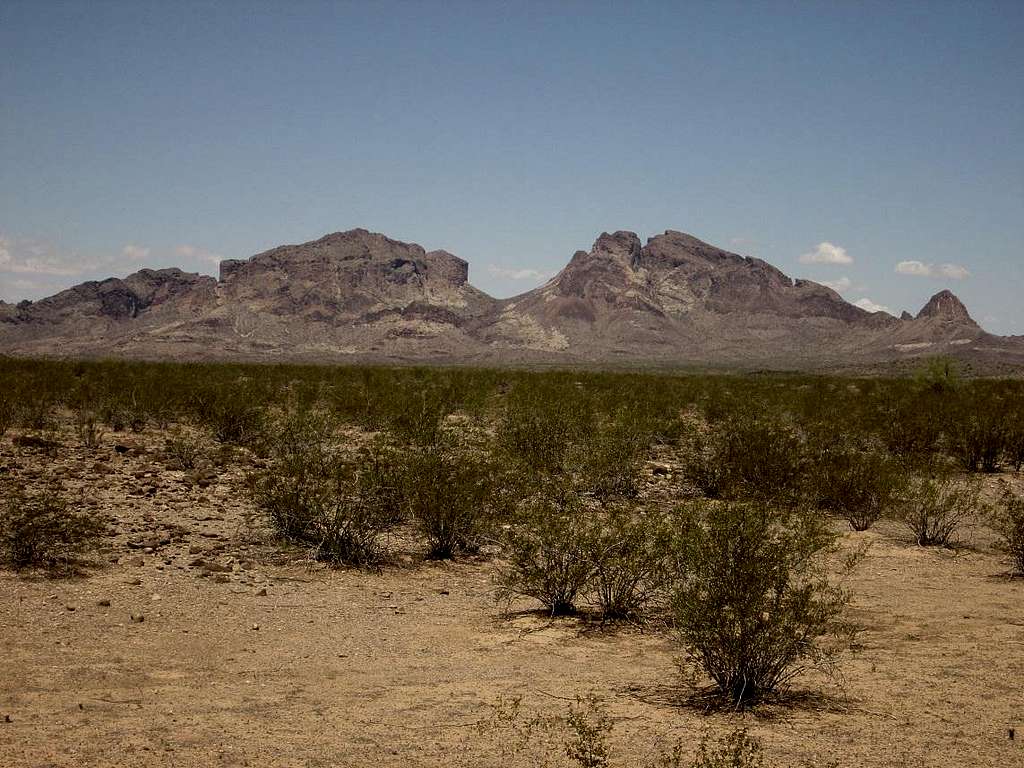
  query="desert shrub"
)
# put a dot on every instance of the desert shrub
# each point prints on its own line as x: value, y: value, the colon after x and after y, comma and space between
x: 454, y: 495
x: 549, y: 551
x: 36, y: 412
x: 40, y: 530
x: 540, y: 425
x: 736, y: 750
x: 1014, y: 438
x: 183, y: 451
x: 935, y: 509
x: 939, y: 375
x: 6, y: 415
x: 976, y: 431
x: 859, y: 485
x: 589, y: 728
x: 312, y: 495
x: 1008, y: 521
x: 89, y: 430
x: 746, y: 457
x: 607, y: 461
x: 752, y: 598
x: 231, y: 416
x: 631, y: 563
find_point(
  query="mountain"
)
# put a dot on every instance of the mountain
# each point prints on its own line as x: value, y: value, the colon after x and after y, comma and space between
x: 361, y: 296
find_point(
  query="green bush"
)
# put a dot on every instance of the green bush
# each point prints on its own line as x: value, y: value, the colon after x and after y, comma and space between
x: 737, y: 750
x: 39, y: 530
x: 231, y: 415
x: 607, y: 461
x: 752, y: 598
x: 183, y: 451
x: 977, y: 431
x: 631, y: 563
x: 746, y: 457
x: 7, y: 414
x: 312, y: 495
x: 455, y: 496
x: 549, y: 551
x: 1008, y: 521
x: 935, y: 509
x: 858, y: 485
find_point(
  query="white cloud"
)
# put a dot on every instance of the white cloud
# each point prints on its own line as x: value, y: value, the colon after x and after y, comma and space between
x: 916, y: 268
x: 827, y: 253
x: 840, y: 285
x: 518, y: 274
x: 135, y: 252
x: 871, y: 306
x: 954, y: 271
x: 32, y: 257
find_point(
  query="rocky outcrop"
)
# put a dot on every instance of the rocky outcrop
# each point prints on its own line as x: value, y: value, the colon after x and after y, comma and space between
x: 359, y: 295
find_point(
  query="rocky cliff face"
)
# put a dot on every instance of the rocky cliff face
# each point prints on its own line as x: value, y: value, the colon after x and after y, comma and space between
x: 358, y: 295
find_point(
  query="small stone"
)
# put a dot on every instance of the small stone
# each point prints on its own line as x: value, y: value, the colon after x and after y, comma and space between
x: 104, y: 603
x: 137, y: 618
x: 70, y: 607
x: 262, y: 592
x: 133, y: 582
x: 255, y: 627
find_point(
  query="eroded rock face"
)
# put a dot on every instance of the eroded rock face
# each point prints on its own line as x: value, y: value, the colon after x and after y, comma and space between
x: 946, y: 306
x: 351, y: 277
x: 361, y: 296
x: 116, y: 299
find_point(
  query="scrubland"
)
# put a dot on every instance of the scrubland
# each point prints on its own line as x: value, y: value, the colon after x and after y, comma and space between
x: 220, y: 564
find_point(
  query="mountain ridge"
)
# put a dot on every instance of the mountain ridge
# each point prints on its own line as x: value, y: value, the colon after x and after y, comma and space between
x: 362, y: 296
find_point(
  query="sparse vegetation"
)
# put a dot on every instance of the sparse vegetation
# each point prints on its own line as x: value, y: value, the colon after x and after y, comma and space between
x: 1008, y: 520
x: 549, y: 549
x: 936, y: 509
x: 753, y: 598
x: 312, y: 494
x: 40, y: 530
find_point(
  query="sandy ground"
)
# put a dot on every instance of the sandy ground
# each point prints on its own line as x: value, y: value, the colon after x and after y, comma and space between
x: 244, y: 656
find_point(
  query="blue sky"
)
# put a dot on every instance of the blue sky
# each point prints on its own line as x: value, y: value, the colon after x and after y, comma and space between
x: 837, y: 140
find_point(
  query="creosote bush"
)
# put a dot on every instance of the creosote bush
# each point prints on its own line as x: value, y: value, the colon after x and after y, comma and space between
x: 455, y: 496
x: 631, y: 555
x: 737, y: 750
x: 752, y: 598
x: 40, y: 530
x: 1008, y: 521
x: 548, y: 549
x: 858, y: 485
x: 747, y: 457
x: 584, y: 737
x: 311, y: 494
x: 936, y: 509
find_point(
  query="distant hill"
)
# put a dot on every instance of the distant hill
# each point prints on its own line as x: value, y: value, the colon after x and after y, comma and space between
x: 360, y: 296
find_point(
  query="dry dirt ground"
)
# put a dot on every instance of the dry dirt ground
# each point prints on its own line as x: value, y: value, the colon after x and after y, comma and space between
x: 245, y: 656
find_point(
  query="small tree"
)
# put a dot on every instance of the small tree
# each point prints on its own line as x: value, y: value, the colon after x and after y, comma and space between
x: 753, y: 599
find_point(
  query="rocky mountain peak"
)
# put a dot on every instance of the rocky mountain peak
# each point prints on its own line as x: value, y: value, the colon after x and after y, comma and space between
x: 947, y: 307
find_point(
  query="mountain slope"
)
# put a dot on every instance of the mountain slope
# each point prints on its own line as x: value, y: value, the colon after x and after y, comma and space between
x: 358, y: 295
